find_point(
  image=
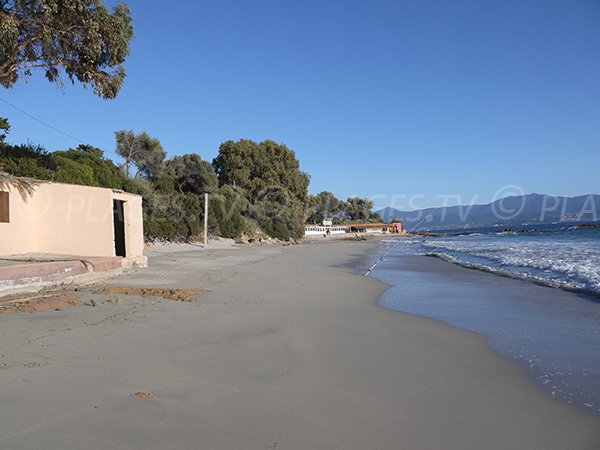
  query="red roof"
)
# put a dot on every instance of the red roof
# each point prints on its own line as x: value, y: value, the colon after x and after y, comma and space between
x: 367, y: 225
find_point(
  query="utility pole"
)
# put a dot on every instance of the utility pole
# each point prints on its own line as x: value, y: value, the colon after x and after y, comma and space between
x: 205, y: 219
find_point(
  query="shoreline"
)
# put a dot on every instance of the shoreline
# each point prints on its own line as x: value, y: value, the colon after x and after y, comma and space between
x: 470, y: 317
x: 287, y: 347
x: 590, y: 295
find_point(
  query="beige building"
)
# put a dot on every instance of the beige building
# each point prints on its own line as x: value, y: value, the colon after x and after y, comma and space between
x: 65, y: 219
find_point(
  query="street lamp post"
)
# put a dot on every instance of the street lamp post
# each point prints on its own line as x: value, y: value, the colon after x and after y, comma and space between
x: 205, y: 219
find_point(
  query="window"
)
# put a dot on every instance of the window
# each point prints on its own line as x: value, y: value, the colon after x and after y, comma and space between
x: 4, y: 208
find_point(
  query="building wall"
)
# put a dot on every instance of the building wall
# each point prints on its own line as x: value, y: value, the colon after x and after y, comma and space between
x: 20, y: 234
x: 70, y: 220
x: 399, y: 226
x: 318, y: 230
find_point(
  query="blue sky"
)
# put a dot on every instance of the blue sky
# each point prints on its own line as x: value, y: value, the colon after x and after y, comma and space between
x: 412, y: 103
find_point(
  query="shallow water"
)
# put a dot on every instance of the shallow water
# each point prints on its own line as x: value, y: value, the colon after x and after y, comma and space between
x: 552, y: 333
x: 568, y: 258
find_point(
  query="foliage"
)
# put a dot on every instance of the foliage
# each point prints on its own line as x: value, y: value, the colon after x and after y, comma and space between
x: 324, y: 206
x: 262, y: 190
x: 85, y: 165
x: 260, y: 168
x: 167, y: 214
x: 225, y: 211
x: 270, y: 178
x: 4, y: 126
x: 192, y: 174
x: 278, y: 220
x: 359, y: 208
x: 72, y: 172
x: 26, y: 160
x: 10, y: 166
x: 186, y: 211
x: 141, y: 150
x: 25, y: 186
x: 82, y: 37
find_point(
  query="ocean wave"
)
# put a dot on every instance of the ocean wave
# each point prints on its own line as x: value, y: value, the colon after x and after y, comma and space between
x: 549, y: 282
x: 567, y: 265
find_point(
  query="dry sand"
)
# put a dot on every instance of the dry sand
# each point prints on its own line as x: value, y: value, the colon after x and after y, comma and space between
x: 285, y: 350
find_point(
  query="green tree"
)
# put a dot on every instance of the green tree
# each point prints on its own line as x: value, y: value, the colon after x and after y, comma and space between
x: 358, y: 208
x: 11, y: 164
x: 324, y: 206
x: 192, y: 174
x: 4, y: 126
x: 225, y: 212
x: 26, y: 160
x: 143, y: 151
x: 82, y: 37
x: 85, y: 165
x: 260, y: 169
x: 278, y: 220
x: 168, y: 214
x: 270, y: 177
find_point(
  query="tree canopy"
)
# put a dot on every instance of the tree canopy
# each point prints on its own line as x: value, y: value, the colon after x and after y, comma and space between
x: 263, y: 170
x: 141, y: 150
x: 258, y: 190
x: 269, y: 175
x: 191, y: 174
x: 83, y: 38
x: 4, y: 127
x: 324, y: 206
x: 359, y: 208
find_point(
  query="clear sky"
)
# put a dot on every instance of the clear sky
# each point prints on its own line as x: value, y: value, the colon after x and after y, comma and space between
x: 394, y: 100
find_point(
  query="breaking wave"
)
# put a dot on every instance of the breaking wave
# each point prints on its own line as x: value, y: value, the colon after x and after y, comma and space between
x: 567, y: 260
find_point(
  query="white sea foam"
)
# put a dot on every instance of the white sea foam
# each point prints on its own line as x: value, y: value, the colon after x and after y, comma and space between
x: 556, y: 259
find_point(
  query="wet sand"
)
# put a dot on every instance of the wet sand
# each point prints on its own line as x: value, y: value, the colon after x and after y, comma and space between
x: 552, y: 333
x: 286, y: 350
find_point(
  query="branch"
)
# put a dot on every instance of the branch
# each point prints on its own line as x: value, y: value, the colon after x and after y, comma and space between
x: 25, y: 186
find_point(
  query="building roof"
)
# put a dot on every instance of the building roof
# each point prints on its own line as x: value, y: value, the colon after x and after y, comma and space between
x: 325, y: 226
x: 367, y: 225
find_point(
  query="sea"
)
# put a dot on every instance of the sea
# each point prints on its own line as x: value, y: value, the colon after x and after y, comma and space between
x: 546, y: 319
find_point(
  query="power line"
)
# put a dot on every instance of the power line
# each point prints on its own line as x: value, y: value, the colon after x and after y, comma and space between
x: 46, y: 124
x: 42, y: 122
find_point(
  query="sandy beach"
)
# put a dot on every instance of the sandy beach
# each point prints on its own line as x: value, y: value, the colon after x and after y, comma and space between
x: 285, y: 348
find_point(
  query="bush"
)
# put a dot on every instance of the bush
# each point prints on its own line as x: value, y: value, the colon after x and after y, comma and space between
x: 73, y: 164
x: 173, y: 203
x: 225, y: 213
x: 279, y: 221
x: 29, y: 160
x: 172, y: 216
x: 72, y: 172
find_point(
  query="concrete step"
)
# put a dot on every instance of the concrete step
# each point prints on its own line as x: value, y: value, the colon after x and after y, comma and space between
x: 34, y: 276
